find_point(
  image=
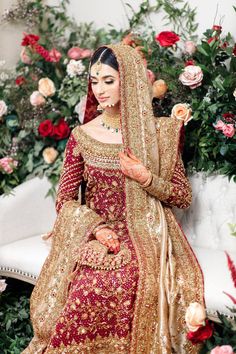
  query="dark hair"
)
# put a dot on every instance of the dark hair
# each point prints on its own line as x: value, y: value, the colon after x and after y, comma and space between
x: 107, y: 57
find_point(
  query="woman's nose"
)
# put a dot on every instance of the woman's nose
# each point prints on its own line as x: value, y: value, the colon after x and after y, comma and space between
x: 100, y: 88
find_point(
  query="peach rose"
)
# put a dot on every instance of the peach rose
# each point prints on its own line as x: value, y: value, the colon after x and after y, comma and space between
x: 129, y: 40
x: 24, y: 56
x: 46, y: 87
x: 182, y: 111
x: 191, y: 76
x: 79, y: 53
x: 3, y: 108
x: 224, y: 349
x: 190, y: 47
x: 195, y: 316
x: 36, y: 99
x: 50, y: 154
x: 228, y: 130
x: 159, y: 88
x: 3, y: 285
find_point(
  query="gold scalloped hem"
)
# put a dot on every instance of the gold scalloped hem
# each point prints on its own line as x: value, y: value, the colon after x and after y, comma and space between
x: 108, y: 345
x: 96, y: 255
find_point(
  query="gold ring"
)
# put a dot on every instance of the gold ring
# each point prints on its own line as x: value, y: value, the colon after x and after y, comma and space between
x: 109, y: 237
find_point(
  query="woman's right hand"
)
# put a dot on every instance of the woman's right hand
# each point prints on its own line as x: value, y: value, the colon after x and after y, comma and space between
x: 108, y: 238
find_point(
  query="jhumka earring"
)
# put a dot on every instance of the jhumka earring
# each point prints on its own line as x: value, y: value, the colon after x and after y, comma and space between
x: 99, y: 108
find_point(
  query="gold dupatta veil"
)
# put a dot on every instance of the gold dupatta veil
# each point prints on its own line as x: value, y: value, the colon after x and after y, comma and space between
x: 158, y: 325
x: 169, y: 277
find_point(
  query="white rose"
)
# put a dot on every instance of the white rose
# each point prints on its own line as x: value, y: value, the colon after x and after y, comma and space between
x: 3, y: 285
x: 3, y: 108
x: 191, y: 76
x: 190, y: 47
x: 195, y: 316
x: 234, y: 93
x: 75, y: 67
x: 80, y: 108
x: 36, y: 99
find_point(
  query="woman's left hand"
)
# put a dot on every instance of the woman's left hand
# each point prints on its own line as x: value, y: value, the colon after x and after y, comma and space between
x: 132, y: 167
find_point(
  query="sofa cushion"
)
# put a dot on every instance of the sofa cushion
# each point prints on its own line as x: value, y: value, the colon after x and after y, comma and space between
x: 23, y: 259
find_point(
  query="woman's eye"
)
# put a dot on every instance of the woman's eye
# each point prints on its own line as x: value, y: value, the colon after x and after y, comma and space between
x: 93, y: 82
x: 109, y: 82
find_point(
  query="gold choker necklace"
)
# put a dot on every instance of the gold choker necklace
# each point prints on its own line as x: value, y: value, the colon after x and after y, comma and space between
x: 111, y: 121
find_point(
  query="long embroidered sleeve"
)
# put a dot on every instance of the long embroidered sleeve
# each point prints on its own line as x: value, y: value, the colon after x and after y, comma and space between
x: 177, y: 192
x: 71, y: 176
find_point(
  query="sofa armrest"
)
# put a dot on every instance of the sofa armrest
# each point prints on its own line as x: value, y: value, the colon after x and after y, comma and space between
x: 27, y: 212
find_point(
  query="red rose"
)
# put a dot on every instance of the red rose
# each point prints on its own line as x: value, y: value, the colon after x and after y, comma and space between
x: 201, y: 334
x: 61, y: 130
x: 167, y: 38
x: 229, y: 117
x: 46, y: 128
x: 29, y: 39
x: 217, y: 28
x: 20, y: 80
x: 189, y: 62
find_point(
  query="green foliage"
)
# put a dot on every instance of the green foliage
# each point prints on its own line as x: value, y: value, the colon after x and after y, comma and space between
x: 15, y: 327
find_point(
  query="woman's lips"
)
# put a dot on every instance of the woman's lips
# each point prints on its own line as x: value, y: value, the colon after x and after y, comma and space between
x: 102, y: 99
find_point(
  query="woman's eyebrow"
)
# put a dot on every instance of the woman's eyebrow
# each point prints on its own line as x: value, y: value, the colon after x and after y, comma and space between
x: 103, y: 77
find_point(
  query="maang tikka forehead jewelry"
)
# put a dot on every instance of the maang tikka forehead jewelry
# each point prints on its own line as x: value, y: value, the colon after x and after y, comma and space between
x: 98, y: 64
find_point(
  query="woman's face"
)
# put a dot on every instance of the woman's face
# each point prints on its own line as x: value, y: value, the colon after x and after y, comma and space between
x: 105, y: 85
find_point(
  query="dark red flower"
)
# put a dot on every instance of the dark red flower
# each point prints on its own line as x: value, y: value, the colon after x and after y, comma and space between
x: 20, y: 80
x: 189, y: 62
x: 217, y: 28
x: 224, y: 45
x: 61, y: 130
x: 229, y: 117
x: 212, y: 39
x: 29, y: 39
x: 46, y: 128
x: 167, y: 38
x: 201, y: 334
x: 234, y: 50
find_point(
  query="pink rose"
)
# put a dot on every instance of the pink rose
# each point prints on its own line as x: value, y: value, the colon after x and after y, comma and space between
x: 190, y: 47
x: 55, y: 55
x: 219, y: 125
x: 79, y: 53
x: 191, y: 76
x: 36, y: 99
x: 228, y: 130
x: 7, y: 164
x: 224, y: 349
x: 24, y: 57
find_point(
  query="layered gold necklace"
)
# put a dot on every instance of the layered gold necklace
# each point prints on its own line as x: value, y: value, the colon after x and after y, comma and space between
x: 111, y: 121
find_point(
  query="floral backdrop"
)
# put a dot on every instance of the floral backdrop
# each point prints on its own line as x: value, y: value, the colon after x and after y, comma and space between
x: 43, y: 98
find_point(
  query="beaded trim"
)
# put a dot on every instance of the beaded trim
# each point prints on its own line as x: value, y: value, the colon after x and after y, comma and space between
x: 18, y: 274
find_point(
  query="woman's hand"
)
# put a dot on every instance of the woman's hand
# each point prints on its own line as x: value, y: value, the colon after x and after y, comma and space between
x: 132, y: 167
x: 108, y: 238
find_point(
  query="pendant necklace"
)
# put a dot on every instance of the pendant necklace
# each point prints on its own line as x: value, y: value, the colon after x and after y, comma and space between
x: 111, y: 121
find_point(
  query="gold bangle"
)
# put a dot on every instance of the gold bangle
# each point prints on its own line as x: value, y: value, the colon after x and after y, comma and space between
x: 148, y: 181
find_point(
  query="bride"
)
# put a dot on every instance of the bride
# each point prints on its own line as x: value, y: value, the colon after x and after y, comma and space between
x: 120, y: 273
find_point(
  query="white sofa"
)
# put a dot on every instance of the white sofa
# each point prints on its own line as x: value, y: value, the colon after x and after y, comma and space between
x: 27, y: 214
